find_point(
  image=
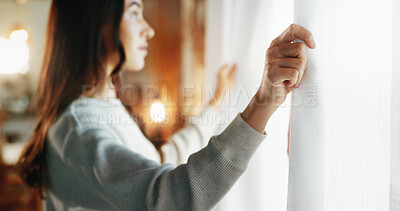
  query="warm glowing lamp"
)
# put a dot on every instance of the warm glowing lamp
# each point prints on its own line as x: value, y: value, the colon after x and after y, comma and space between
x: 157, y: 112
x: 14, y: 53
x: 19, y: 36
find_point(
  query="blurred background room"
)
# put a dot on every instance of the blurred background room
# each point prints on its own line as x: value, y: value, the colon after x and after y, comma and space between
x: 193, y: 40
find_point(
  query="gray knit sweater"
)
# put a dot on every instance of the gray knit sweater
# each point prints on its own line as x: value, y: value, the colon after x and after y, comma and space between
x: 93, y: 165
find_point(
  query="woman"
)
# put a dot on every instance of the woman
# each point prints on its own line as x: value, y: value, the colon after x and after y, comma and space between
x: 78, y: 157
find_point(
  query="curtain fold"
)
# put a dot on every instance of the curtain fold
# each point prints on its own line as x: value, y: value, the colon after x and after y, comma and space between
x: 307, y: 146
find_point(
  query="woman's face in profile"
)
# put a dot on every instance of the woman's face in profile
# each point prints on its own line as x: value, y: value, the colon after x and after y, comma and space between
x: 134, y: 33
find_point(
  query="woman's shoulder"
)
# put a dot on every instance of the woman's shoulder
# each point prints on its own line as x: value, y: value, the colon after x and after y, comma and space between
x: 94, y: 111
x: 85, y: 113
x: 79, y: 120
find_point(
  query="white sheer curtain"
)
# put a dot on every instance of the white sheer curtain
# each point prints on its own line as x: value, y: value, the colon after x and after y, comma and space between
x: 340, y: 147
x: 240, y: 31
x: 345, y: 118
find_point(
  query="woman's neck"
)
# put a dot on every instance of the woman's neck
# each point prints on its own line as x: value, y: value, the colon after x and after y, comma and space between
x: 109, y: 92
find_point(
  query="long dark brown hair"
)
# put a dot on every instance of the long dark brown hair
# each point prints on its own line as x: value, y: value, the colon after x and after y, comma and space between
x: 74, y: 58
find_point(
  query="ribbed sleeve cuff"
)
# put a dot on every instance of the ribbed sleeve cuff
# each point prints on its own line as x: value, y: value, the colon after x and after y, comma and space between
x: 239, y: 141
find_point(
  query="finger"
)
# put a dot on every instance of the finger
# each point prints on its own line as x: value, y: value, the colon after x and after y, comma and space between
x: 288, y: 50
x: 226, y: 67
x: 292, y: 33
x: 299, y: 64
x: 232, y: 71
x: 222, y: 70
x: 278, y: 75
x: 301, y: 74
x: 288, y: 62
x: 289, y: 87
x: 233, y: 66
x: 292, y: 55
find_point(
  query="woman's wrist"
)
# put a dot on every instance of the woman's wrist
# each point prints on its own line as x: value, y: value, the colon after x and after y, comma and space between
x: 258, y: 112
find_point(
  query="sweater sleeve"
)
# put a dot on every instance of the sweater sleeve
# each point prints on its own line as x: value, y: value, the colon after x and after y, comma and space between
x: 192, y: 137
x: 128, y: 181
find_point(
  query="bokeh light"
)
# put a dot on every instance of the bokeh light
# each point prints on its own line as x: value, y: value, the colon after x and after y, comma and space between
x: 19, y: 35
x: 157, y: 112
x: 14, y: 53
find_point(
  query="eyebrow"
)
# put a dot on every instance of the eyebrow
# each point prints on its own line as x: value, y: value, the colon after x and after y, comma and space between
x: 133, y: 3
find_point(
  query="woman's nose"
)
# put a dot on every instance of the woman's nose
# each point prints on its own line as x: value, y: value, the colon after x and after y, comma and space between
x: 148, y: 31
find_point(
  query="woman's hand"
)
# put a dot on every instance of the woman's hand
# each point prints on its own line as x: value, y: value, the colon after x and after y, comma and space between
x: 285, y: 64
x: 225, y: 79
x: 284, y: 69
